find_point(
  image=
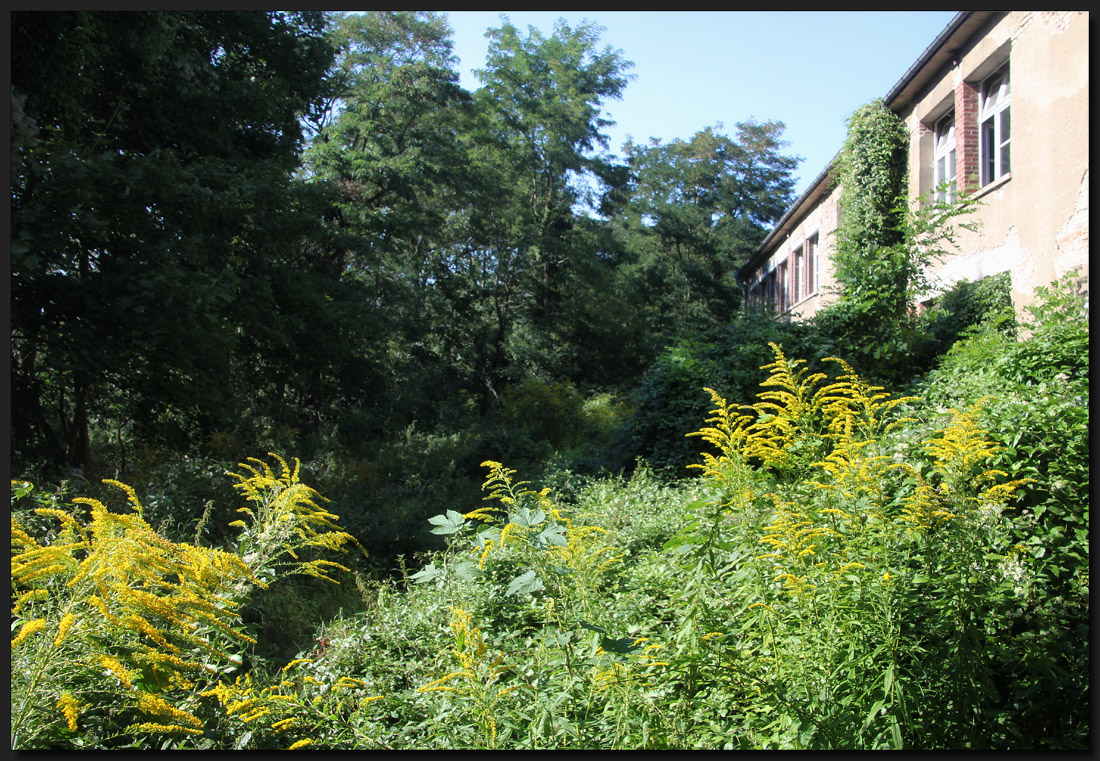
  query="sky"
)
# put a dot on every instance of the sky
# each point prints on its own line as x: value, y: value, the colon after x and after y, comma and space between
x: 694, y: 69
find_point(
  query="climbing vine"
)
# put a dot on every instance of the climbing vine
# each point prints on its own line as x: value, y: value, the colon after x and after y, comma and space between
x: 885, y: 247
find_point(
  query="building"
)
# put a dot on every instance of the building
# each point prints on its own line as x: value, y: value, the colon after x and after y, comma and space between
x: 998, y: 105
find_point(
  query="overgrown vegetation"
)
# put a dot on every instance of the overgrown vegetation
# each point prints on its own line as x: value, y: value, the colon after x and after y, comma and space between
x: 853, y: 570
x: 498, y: 351
x: 885, y: 248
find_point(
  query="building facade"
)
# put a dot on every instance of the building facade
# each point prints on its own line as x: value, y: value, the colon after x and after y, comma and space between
x: 998, y: 106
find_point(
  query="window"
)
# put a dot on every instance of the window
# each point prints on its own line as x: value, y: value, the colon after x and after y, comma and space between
x: 944, y: 157
x: 782, y: 287
x: 798, y: 291
x: 756, y: 295
x: 810, y: 266
x: 995, y: 127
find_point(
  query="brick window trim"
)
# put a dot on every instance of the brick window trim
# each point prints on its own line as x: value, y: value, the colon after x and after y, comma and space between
x: 967, y: 136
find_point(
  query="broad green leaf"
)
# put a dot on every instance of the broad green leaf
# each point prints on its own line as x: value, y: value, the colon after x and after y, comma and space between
x: 526, y: 583
x: 427, y: 573
x: 466, y: 570
x: 554, y: 534
x: 451, y: 523
x: 526, y: 518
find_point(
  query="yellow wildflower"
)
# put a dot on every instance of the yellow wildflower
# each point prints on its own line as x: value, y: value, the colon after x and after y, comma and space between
x: 29, y: 596
x: 29, y: 629
x: 301, y: 744
x: 63, y: 628
x: 152, y: 726
x: 70, y: 708
x: 283, y: 724
x: 157, y: 706
x: 114, y: 666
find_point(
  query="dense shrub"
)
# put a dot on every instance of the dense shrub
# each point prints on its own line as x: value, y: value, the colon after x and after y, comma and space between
x: 670, y: 401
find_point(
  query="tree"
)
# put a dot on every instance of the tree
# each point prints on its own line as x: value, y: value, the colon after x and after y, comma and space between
x: 695, y: 210
x: 540, y: 146
x: 151, y: 163
x: 394, y: 145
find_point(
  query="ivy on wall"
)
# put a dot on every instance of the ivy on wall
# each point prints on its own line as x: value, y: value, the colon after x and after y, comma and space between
x: 885, y: 249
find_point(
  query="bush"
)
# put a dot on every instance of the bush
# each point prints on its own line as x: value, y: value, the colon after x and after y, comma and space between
x: 122, y: 633
x: 670, y: 400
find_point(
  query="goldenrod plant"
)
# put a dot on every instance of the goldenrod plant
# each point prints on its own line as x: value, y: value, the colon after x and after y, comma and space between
x: 118, y: 630
x: 478, y: 678
x: 852, y: 570
x: 284, y: 519
x: 847, y: 546
x: 112, y: 614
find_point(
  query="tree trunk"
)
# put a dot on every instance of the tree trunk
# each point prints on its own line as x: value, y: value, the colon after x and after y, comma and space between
x: 80, y: 448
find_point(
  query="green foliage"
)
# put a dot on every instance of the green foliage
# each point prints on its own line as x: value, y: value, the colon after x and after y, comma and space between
x: 884, y: 255
x: 1037, y: 407
x: 694, y: 212
x: 871, y: 171
x: 669, y: 403
x: 154, y: 152
x: 853, y: 570
x: 436, y: 296
x: 967, y: 305
x: 872, y: 320
x: 548, y: 412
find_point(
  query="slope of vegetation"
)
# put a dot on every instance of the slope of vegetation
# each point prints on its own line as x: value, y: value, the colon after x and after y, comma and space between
x: 853, y: 570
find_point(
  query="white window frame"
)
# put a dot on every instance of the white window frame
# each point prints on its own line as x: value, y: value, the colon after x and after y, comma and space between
x: 944, y: 157
x: 811, y: 248
x: 995, y: 126
x: 797, y: 260
x: 782, y: 286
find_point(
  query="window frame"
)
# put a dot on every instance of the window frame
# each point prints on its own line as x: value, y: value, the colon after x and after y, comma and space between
x: 995, y: 126
x: 782, y: 287
x: 795, y: 257
x: 811, y: 249
x: 945, y: 150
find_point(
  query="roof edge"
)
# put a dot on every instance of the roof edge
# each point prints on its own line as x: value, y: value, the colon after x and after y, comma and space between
x: 816, y: 187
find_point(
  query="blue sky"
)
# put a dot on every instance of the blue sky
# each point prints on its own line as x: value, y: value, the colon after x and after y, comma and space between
x: 694, y: 69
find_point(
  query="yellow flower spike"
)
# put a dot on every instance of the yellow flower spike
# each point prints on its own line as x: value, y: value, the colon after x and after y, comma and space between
x: 485, y: 554
x: 240, y: 706
x: 19, y: 536
x: 510, y: 528
x: 70, y: 709
x: 28, y: 597
x: 157, y: 706
x: 114, y: 666
x: 283, y: 724
x: 301, y: 744
x: 156, y: 728
x: 259, y: 713
x: 28, y: 630
x: 131, y: 495
x: 63, y: 627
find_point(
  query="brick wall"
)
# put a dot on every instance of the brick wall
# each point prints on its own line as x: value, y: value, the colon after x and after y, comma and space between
x: 966, y: 136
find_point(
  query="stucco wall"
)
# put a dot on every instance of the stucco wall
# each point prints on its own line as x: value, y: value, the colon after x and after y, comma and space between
x: 822, y: 220
x: 1035, y: 223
